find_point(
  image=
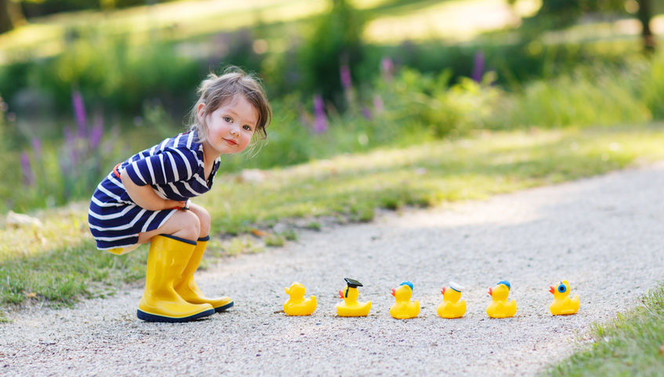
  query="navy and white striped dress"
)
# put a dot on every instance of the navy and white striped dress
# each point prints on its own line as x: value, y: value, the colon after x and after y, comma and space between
x: 174, y: 168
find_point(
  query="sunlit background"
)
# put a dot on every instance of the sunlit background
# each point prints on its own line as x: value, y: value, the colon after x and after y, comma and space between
x: 84, y: 84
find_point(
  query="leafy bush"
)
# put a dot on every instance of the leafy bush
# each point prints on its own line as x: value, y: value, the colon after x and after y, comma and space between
x: 593, y: 96
x: 110, y: 74
x: 335, y: 42
x: 35, y: 8
x: 397, y: 110
x: 653, y: 86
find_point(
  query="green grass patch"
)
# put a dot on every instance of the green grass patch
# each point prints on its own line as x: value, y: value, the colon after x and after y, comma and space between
x: 631, y: 345
x: 58, y: 262
x: 64, y: 275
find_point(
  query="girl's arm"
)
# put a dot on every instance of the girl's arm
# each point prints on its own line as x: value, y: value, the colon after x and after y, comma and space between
x: 145, y: 196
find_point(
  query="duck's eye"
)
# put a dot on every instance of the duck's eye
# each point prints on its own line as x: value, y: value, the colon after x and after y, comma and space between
x: 562, y: 288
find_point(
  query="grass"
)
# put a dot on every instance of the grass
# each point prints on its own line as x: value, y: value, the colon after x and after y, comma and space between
x: 631, y: 345
x: 58, y: 263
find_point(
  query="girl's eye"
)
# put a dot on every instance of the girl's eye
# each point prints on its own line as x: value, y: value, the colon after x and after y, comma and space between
x: 247, y: 127
x: 228, y: 119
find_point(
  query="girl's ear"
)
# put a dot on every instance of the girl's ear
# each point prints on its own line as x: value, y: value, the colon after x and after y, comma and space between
x: 200, y: 111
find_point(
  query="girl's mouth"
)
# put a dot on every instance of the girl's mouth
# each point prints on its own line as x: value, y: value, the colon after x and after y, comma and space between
x: 230, y: 142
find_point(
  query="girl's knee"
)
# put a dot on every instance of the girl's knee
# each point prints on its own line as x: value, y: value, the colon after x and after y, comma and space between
x: 189, y: 225
x: 203, y: 219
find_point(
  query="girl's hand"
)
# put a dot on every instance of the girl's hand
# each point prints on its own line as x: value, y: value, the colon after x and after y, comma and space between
x: 172, y: 204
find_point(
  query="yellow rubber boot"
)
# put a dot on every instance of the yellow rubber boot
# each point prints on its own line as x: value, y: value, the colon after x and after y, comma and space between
x: 167, y: 259
x: 187, y: 288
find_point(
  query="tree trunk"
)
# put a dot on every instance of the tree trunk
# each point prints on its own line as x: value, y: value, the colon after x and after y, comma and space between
x: 11, y: 15
x: 645, y: 15
x: 6, y: 23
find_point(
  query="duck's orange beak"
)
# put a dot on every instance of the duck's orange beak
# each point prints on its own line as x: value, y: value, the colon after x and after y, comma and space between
x: 552, y: 290
x: 491, y: 292
x: 341, y: 294
x: 394, y: 292
x: 443, y: 290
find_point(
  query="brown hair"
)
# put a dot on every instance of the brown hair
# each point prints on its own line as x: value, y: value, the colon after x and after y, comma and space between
x: 216, y: 91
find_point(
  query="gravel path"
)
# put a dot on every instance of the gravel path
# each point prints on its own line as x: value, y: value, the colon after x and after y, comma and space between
x: 602, y: 234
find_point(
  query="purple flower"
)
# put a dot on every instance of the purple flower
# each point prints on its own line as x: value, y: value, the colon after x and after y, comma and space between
x: 108, y: 143
x: 366, y: 113
x: 70, y: 145
x: 96, y: 133
x: 79, y: 112
x: 26, y: 170
x: 378, y: 104
x: 387, y: 68
x: 37, y: 149
x: 346, y: 80
x: 478, y: 67
x: 320, y: 119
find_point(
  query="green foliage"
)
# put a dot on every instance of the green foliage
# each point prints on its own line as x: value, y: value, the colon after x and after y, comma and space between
x: 64, y: 276
x: 631, y: 345
x: 563, y: 13
x: 594, y: 96
x: 110, y: 74
x: 275, y: 240
x: 9, y: 184
x: 35, y: 8
x: 652, y: 84
x: 409, y: 108
x: 415, y: 100
x: 336, y: 41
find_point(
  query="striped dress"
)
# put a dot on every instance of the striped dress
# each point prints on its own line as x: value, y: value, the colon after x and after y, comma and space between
x: 174, y: 168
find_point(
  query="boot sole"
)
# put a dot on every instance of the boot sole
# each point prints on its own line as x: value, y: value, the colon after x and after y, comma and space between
x: 159, y: 318
x: 224, y: 307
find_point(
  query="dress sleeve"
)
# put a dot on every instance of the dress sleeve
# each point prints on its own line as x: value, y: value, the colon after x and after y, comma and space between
x: 170, y: 165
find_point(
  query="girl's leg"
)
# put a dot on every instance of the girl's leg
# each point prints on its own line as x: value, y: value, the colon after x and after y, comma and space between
x: 203, y: 219
x: 186, y: 287
x: 182, y: 224
x: 171, y: 248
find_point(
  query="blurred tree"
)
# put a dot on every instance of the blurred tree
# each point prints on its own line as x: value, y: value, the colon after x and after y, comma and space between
x: 10, y: 15
x: 335, y: 42
x: 36, y: 8
x: 645, y: 14
x: 557, y: 14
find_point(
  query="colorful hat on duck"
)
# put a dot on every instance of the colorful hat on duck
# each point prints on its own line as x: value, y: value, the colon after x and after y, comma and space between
x: 456, y: 286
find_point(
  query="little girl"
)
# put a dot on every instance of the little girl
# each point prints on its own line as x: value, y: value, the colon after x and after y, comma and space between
x: 146, y: 198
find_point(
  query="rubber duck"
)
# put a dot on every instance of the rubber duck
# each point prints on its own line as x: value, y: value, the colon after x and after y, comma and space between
x: 297, y: 304
x: 350, y: 307
x: 452, y: 305
x: 403, y: 308
x: 562, y: 304
x: 500, y: 306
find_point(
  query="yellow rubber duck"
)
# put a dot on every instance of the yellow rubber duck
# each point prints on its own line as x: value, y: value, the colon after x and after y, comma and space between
x: 562, y: 304
x: 297, y: 304
x: 403, y: 308
x: 500, y: 306
x: 452, y: 305
x: 350, y: 307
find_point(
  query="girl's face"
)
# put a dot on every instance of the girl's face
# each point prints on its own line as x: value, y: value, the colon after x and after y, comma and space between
x: 230, y: 127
